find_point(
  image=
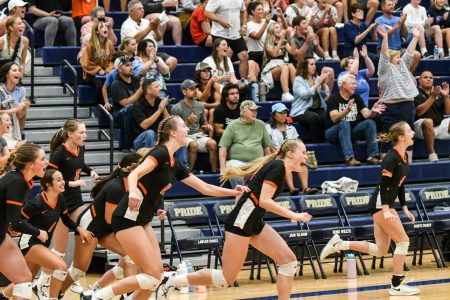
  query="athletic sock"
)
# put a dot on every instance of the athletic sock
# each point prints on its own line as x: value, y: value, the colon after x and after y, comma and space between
x: 397, y: 279
x: 105, y: 293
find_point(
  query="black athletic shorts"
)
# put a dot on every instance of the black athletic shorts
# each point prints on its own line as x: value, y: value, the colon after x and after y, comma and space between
x: 237, y: 46
x: 241, y: 232
x: 121, y: 223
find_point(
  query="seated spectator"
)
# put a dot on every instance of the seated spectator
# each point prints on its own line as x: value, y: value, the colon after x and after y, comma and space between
x: 50, y: 20
x: 297, y: 9
x: 13, y: 101
x: 13, y: 45
x: 432, y: 104
x: 5, y: 127
x: 310, y: 93
x: 200, y: 132
x: 106, y: 89
x: 349, y: 120
x: 97, y: 15
x: 137, y: 27
x: 185, y: 11
x: 276, y: 66
x: 148, y: 112
x: 304, y: 42
x: 351, y: 66
x: 356, y: 32
x: 148, y: 64
x: 125, y: 90
x: 97, y: 59
x: 128, y: 46
x: 279, y: 131
x: 417, y: 17
x: 107, y: 5
x: 269, y: 6
x: 368, y: 7
x: 208, y: 90
x: 200, y: 26
x: 15, y: 8
x: 220, y: 63
x: 325, y: 18
x: 228, y: 110
x: 245, y: 139
x: 153, y: 9
x: 439, y: 12
x: 85, y: 11
x: 341, y: 7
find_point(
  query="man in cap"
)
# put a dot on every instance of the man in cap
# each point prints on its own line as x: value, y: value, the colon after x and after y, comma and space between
x: 245, y: 139
x: 200, y: 132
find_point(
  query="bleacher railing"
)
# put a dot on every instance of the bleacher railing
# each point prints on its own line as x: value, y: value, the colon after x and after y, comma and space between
x: 110, y: 137
x: 31, y: 48
x: 73, y: 91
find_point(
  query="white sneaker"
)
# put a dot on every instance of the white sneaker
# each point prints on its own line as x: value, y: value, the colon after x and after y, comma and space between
x: 167, y: 286
x: 330, y: 247
x: 76, y: 287
x: 403, y: 290
x: 336, y: 57
x: 287, y: 97
x: 42, y: 292
x: 327, y: 56
x: 433, y: 157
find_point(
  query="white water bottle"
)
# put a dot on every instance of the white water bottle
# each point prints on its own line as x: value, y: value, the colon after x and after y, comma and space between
x: 436, y: 52
x: 190, y: 269
x: 182, y: 270
x: 351, y: 266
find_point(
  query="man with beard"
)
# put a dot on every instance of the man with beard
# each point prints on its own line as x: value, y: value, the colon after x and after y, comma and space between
x: 228, y: 110
x: 193, y: 113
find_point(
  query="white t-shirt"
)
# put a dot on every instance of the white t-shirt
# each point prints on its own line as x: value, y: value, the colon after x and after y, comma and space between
x: 256, y: 45
x: 318, y: 13
x: 219, y: 71
x: 130, y: 28
x: 291, y: 13
x: 229, y: 10
x: 414, y: 16
x: 277, y: 136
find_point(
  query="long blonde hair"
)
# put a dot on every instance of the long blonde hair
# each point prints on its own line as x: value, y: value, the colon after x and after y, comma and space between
x: 270, y: 40
x: 252, y: 167
x: 99, y: 48
x: 396, y: 130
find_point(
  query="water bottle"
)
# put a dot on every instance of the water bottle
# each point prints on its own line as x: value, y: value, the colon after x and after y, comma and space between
x: 351, y: 266
x: 190, y: 269
x: 182, y: 270
x: 436, y: 52
x: 262, y: 91
x: 255, y: 91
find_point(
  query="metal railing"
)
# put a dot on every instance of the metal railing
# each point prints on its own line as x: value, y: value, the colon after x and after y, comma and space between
x: 110, y: 137
x: 73, y: 91
x: 31, y: 48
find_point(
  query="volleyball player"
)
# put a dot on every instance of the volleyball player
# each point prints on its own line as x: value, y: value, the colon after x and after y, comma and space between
x: 387, y: 223
x: 29, y: 161
x: 244, y: 226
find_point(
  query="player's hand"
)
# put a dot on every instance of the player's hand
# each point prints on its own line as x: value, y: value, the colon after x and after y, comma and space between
x: 241, y: 189
x: 161, y: 213
x: 78, y: 183
x: 134, y: 201
x: 409, y: 215
x: 86, y: 235
x: 43, y: 236
x: 390, y: 217
x: 303, y: 217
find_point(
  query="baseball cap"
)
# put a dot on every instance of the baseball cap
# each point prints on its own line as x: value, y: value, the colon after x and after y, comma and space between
x: 202, y: 66
x: 16, y: 3
x: 121, y: 60
x: 248, y: 104
x: 279, y: 107
x: 187, y: 84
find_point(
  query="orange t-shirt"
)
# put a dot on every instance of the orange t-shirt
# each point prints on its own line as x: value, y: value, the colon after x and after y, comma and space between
x: 197, y: 17
x: 81, y: 8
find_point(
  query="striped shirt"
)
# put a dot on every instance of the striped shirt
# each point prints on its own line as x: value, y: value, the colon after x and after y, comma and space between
x: 396, y: 81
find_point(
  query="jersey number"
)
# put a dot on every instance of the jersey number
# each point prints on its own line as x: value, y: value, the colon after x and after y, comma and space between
x: 77, y: 175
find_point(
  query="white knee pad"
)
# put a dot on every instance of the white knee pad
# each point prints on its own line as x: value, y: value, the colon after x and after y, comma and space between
x: 59, y: 275
x: 118, y: 272
x: 374, y: 250
x: 22, y: 290
x: 288, y: 269
x: 217, y: 278
x: 75, y: 273
x: 57, y: 253
x: 401, y: 248
x: 128, y: 260
x: 147, y: 282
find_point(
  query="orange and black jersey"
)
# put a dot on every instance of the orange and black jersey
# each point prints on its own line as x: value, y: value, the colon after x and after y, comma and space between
x: 93, y: 217
x: 43, y: 214
x: 394, y: 170
x: 153, y: 186
x: 70, y: 164
x: 247, y: 214
x: 14, y: 191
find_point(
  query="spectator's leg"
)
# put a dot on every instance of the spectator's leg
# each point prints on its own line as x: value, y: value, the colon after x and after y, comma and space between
x: 324, y: 36
x: 127, y: 119
x: 181, y: 155
x: 341, y: 134
x: 340, y: 11
x: 292, y: 73
x: 123, y: 5
x: 372, y: 7
x: 211, y: 146
x: 50, y: 27
x: 174, y: 24
x: 67, y: 25
x: 428, y: 134
x: 280, y: 74
x: 243, y: 64
x: 415, y: 62
x: 253, y: 71
x: 209, y: 41
x: 436, y: 32
x: 303, y: 177
x: 171, y: 63
x: 192, y: 155
x: 367, y: 130
x: 22, y: 116
x: 107, y: 5
x: 314, y: 123
x: 146, y: 139
x: 98, y: 85
x: 333, y: 41
x: 422, y: 42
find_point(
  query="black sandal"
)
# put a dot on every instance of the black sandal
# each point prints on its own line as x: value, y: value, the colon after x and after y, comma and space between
x: 310, y: 191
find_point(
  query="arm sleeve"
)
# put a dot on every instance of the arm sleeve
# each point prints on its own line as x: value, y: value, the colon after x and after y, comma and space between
x: 227, y: 137
x: 182, y: 171
x: 212, y: 5
x: 86, y: 169
x: 407, y: 58
x: 383, y: 64
x: 87, y: 62
x: 301, y: 89
x: 16, y: 193
x: 267, y: 141
x: 65, y: 214
x: 218, y: 116
x: 387, y: 184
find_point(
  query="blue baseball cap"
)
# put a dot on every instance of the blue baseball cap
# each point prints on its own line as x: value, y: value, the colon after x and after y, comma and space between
x: 279, y: 107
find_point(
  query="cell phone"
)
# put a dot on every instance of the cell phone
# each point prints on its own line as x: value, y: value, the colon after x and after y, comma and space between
x: 162, y: 15
x: 274, y: 11
x: 58, y: 12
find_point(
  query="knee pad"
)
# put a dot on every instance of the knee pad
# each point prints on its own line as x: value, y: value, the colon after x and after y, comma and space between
x: 217, y: 278
x: 118, y: 272
x: 128, y: 260
x: 401, y: 248
x: 75, y: 273
x: 59, y: 275
x: 57, y: 253
x: 374, y: 250
x: 147, y: 282
x: 22, y: 290
x: 288, y: 269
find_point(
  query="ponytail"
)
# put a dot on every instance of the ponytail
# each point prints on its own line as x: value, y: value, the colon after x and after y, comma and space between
x: 61, y: 136
x: 396, y: 130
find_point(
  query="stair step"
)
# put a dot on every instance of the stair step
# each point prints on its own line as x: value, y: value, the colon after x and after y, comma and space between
x: 43, y: 136
x: 42, y: 80
x: 42, y: 71
x: 41, y: 124
x: 91, y: 146
x: 48, y: 113
x: 102, y: 157
x: 45, y: 91
x: 53, y: 101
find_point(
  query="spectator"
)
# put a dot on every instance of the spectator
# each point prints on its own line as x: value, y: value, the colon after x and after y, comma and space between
x: 279, y: 130
x: 97, y: 15
x: 156, y: 9
x: 85, y: 11
x: 341, y: 7
x: 200, y: 132
x: 397, y: 85
x: 13, y: 45
x: 310, y: 95
x: 49, y: 19
x: 351, y: 65
x: 15, y: 8
x: 297, y: 9
x: 369, y: 7
x: 432, y: 104
x: 128, y: 46
x: 208, y: 90
x: 439, y: 12
x: 97, y: 59
x: 107, y: 5
x: 220, y: 63
x: 325, y: 18
x: 13, y: 101
x: 276, y: 66
x: 200, y: 26
x: 229, y: 22
x: 148, y: 64
x: 245, y: 139
x: 185, y: 11
x: 416, y: 16
x: 349, y: 120
x: 5, y: 127
x: 228, y: 110
x: 304, y: 42
x: 106, y: 89
x: 356, y: 32
x: 125, y: 91
x: 137, y: 27
x: 148, y: 112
